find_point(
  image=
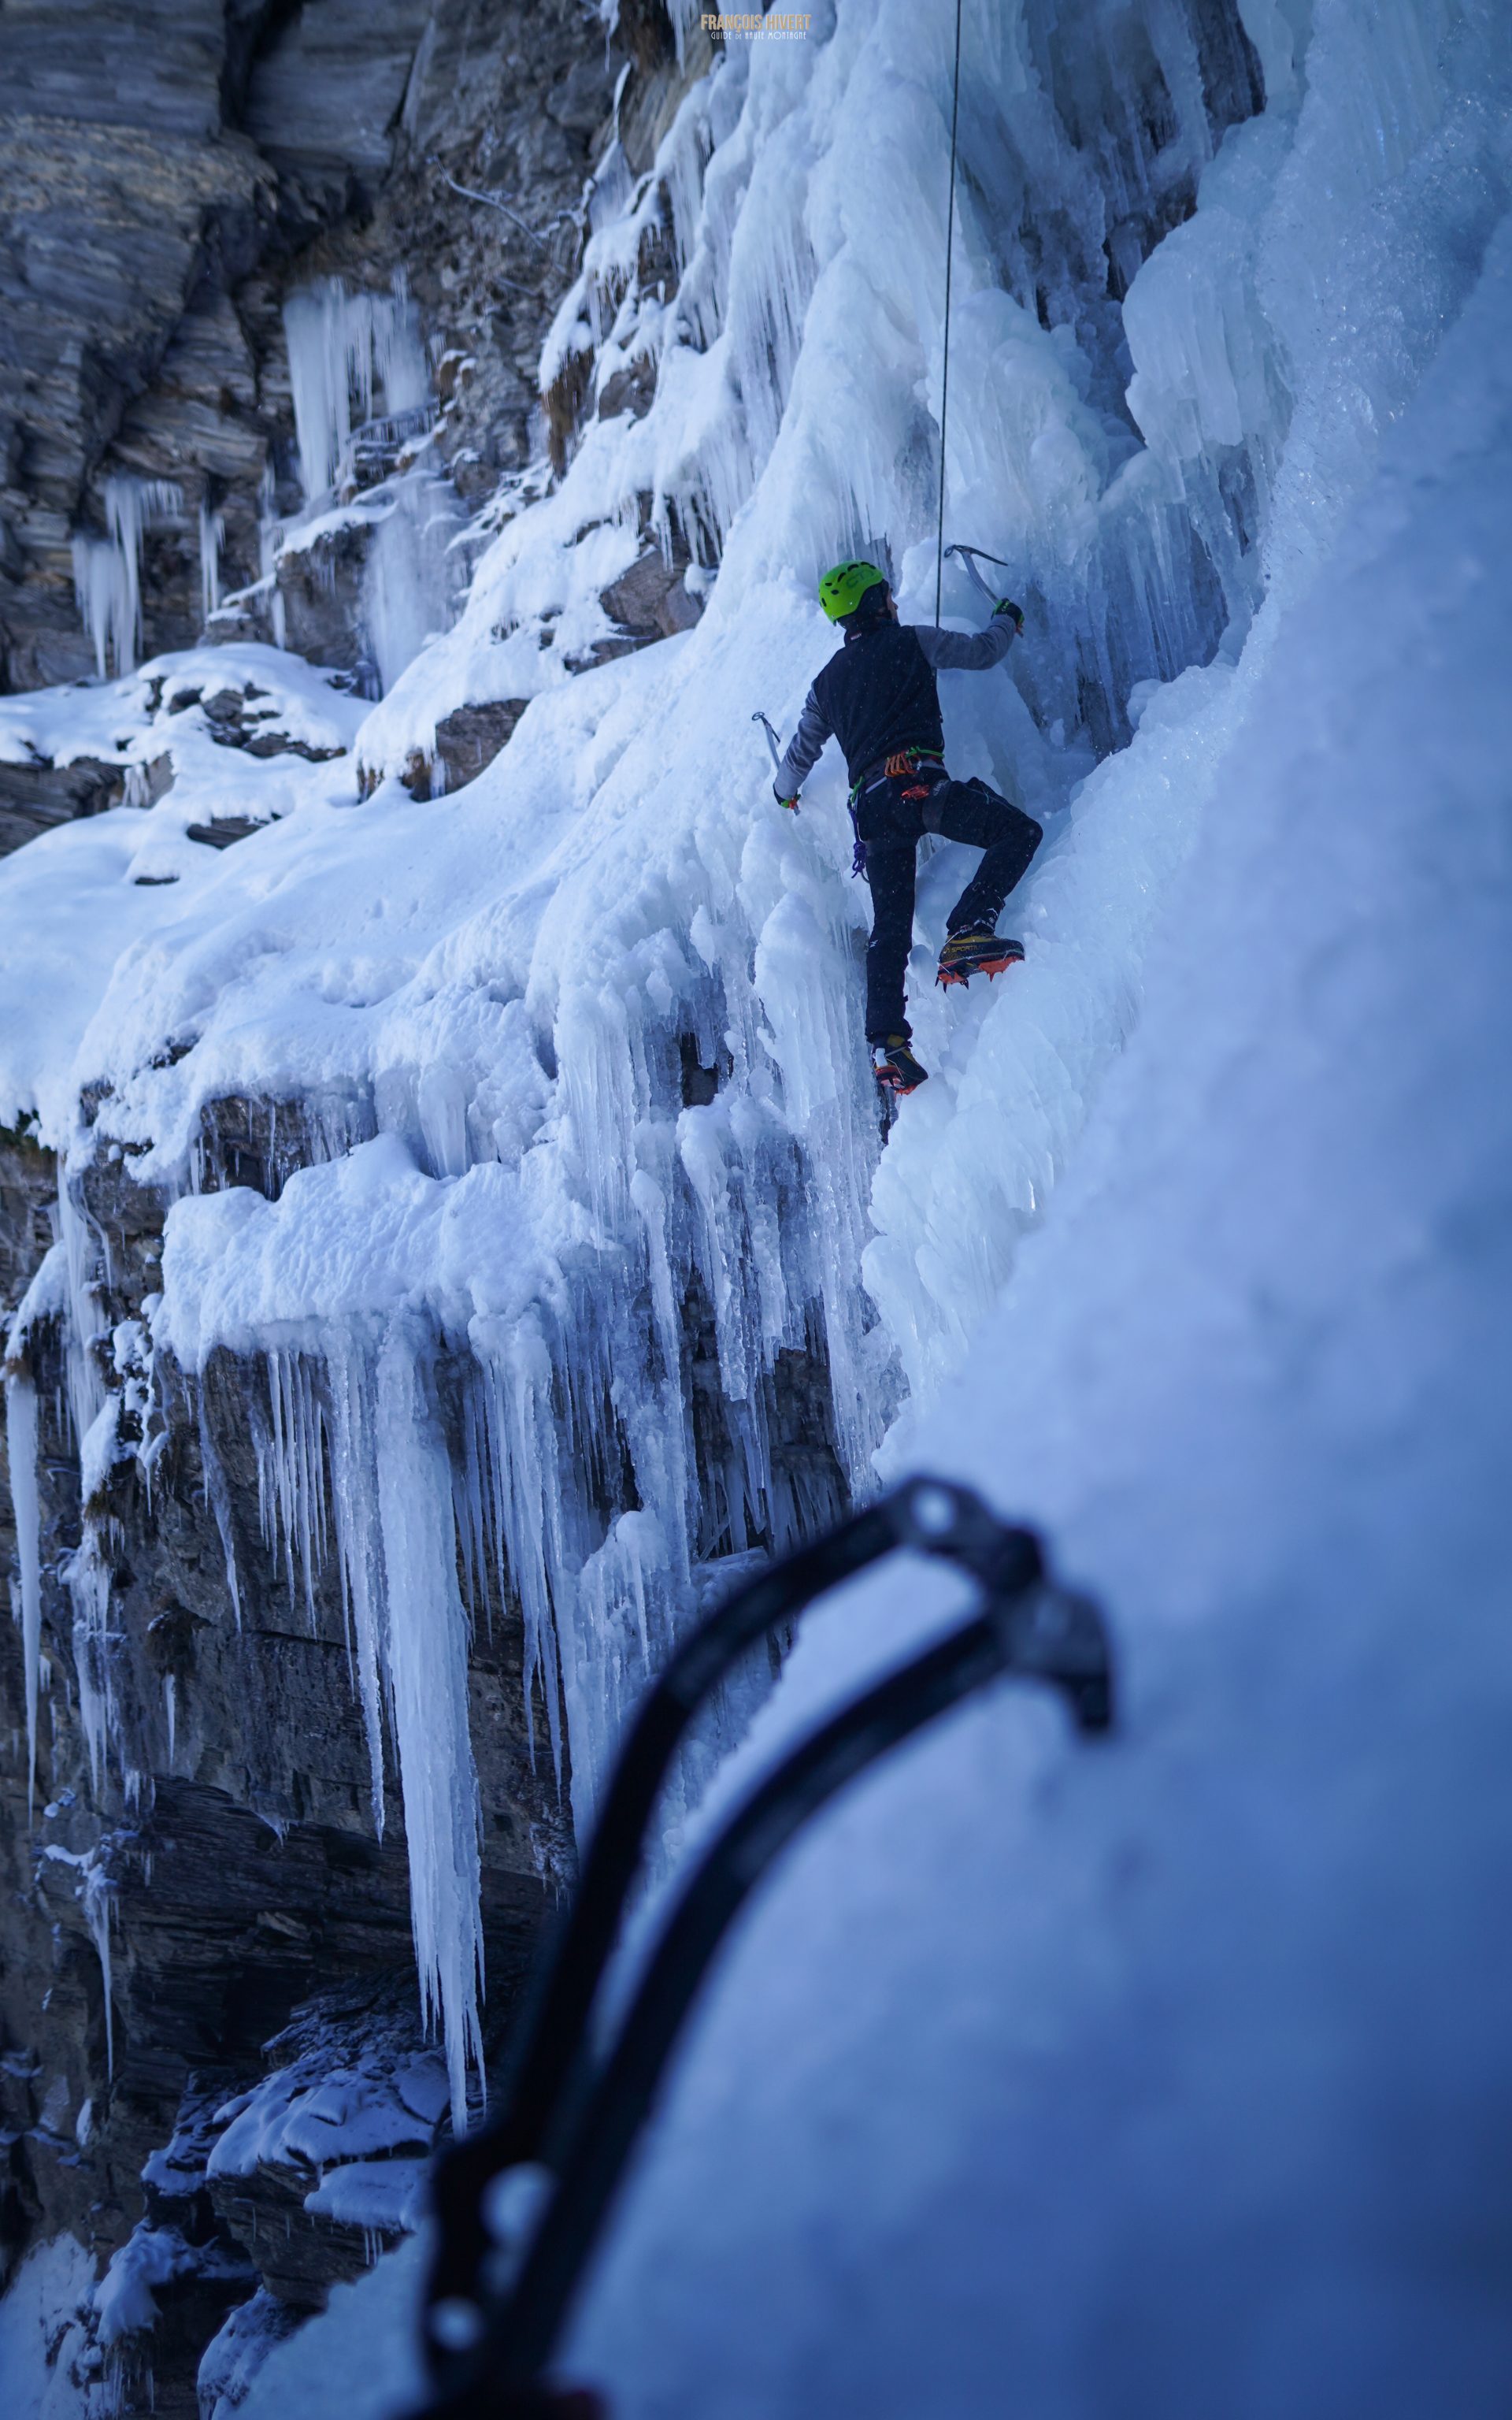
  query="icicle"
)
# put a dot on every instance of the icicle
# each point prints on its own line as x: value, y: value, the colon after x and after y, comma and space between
x: 291, y: 1477
x: 212, y: 539
x: 412, y: 586
x: 88, y: 1582
x: 86, y: 1318
x: 107, y: 573
x: 525, y: 1500
x: 103, y: 595
x: 20, y: 1438
x: 359, y: 1540
x: 428, y: 1676
x: 341, y: 347
x: 215, y: 1492
x: 269, y: 539
x: 98, y: 1909
x: 398, y: 1538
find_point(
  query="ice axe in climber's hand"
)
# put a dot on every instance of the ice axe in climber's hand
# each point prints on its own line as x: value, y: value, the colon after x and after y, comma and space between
x: 969, y: 555
x: 776, y: 746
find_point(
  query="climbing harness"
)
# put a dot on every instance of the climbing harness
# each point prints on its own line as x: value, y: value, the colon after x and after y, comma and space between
x: 519, y: 2206
x: 892, y: 768
x: 945, y: 364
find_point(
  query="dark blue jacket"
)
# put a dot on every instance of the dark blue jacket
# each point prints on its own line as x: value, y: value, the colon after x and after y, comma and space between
x: 879, y: 695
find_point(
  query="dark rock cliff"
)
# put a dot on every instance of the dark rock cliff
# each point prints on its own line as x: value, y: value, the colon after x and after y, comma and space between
x: 170, y: 171
x: 191, y: 1876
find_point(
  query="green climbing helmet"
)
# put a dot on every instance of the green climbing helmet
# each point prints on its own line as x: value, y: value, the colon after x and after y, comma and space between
x: 841, y: 590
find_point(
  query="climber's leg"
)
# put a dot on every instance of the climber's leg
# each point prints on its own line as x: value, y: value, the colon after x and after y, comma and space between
x: 889, y: 870
x: 970, y: 812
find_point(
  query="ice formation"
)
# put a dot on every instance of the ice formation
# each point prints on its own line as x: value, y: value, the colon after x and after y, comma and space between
x: 347, y: 349
x: 1180, y: 332
x: 107, y: 572
x: 413, y: 575
x: 97, y: 1890
x: 20, y: 1441
x: 212, y: 539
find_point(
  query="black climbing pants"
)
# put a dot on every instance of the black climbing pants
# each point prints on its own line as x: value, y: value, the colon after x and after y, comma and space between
x: 892, y: 816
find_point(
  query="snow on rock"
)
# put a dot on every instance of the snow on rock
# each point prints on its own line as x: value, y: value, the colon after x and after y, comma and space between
x: 313, y: 2114
x: 125, y: 2300
x: 367, y: 2345
x: 382, y: 2196
x: 49, y: 2365
x: 237, y: 2350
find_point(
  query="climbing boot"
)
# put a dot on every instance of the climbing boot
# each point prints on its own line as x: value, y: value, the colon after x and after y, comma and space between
x: 895, y: 1067
x: 977, y: 952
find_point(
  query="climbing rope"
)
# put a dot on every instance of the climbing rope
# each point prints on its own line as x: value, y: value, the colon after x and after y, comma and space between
x: 945, y: 371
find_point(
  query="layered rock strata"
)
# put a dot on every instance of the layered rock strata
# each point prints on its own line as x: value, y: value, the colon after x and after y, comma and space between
x: 163, y: 187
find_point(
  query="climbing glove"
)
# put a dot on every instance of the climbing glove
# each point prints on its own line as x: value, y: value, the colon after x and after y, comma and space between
x: 1006, y: 605
x: 792, y: 804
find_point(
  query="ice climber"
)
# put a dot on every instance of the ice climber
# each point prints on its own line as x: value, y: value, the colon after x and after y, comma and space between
x: 880, y: 699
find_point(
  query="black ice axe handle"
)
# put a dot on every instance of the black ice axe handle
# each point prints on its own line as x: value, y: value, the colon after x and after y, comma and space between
x: 1037, y: 1630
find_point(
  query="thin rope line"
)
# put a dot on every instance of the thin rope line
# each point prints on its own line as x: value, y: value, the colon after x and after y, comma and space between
x: 945, y: 369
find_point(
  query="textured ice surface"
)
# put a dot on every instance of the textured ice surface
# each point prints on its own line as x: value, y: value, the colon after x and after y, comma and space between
x: 1160, y: 2078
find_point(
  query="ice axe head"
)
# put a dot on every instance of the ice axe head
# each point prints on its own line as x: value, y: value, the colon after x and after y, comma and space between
x: 967, y: 554
x: 771, y: 735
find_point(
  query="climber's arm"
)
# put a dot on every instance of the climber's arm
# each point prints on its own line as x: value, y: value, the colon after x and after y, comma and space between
x: 813, y: 729
x: 971, y: 651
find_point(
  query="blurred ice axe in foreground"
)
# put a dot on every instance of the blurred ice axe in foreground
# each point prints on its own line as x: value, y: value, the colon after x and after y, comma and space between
x: 521, y: 2205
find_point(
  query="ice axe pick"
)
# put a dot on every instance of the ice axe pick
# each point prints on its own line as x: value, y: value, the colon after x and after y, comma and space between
x: 967, y: 554
x: 772, y: 741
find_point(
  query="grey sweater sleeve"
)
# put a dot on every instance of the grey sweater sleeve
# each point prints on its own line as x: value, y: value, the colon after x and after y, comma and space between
x: 966, y: 651
x: 813, y: 731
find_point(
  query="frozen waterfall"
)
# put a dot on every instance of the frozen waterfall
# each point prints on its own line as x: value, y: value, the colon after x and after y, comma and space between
x: 599, y: 1280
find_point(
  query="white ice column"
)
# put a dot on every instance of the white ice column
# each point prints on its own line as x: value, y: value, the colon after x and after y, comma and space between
x: 21, y: 1439
x: 428, y: 1676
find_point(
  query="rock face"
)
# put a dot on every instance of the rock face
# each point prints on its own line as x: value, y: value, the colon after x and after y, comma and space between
x: 199, y: 1860
x: 32, y: 796
x: 466, y: 740
x: 165, y: 184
